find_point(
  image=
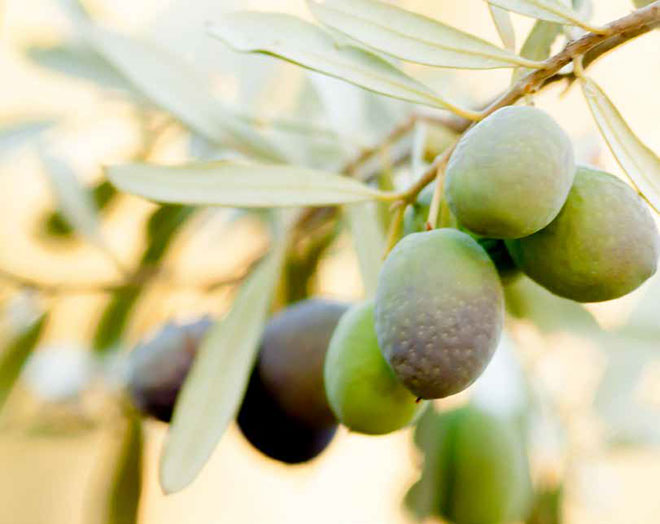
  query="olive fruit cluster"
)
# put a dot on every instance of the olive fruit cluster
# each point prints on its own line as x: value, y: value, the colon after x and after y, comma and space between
x: 284, y: 413
x: 520, y: 205
x: 581, y: 233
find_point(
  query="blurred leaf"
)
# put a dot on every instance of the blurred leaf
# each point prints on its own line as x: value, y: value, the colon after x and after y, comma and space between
x: 74, y: 201
x: 410, y: 36
x: 583, y: 7
x: 369, y: 242
x: 213, y: 390
x: 302, y: 43
x: 177, y: 88
x: 504, y: 26
x: 239, y: 185
x: 550, y: 10
x: 75, y: 10
x: 550, y: 313
x: 126, y: 487
x: 640, y: 163
x: 628, y: 418
x: 547, y: 506
x: 114, y: 318
x: 15, y: 134
x: 162, y: 227
x: 57, y: 225
x: 15, y: 354
x: 539, y: 42
x: 79, y: 61
x: 644, y: 316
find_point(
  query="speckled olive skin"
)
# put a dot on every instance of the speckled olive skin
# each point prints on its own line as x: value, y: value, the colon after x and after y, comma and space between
x: 292, y: 354
x: 414, y: 221
x: 603, y: 245
x: 510, y: 174
x: 362, y: 389
x: 158, y: 367
x: 439, y: 311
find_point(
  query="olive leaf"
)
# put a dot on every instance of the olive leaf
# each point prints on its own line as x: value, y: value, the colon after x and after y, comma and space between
x: 15, y: 134
x: 239, y: 185
x: 80, y: 62
x: 305, y: 44
x: 504, y: 26
x: 628, y: 418
x: 538, y: 43
x: 369, y: 242
x: 176, y: 87
x: 550, y: 10
x: 410, y: 36
x: 75, y: 9
x: 74, y: 201
x: 162, y: 227
x: 212, y: 392
x: 638, y: 161
x: 14, y: 355
x: 123, y: 499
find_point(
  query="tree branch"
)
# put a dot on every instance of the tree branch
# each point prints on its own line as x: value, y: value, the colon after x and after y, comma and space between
x: 591, y: 45
x: 596, y: 44
x: 139, y: 280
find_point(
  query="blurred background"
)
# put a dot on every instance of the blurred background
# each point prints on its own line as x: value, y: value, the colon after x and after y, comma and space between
x: 64, y: 112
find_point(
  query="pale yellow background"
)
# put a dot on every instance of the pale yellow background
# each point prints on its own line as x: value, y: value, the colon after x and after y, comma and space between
x: 360, y: 480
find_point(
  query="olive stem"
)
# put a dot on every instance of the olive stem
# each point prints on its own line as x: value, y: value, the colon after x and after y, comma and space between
x: 618, y: 32
x: 432, y: 220
x: 394, y: 231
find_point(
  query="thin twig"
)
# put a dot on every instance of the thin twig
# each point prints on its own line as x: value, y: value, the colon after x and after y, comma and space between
x: 92, y: 288
x: 617, y: 33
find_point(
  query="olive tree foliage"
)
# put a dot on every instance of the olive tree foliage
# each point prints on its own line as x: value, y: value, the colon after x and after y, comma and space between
x: 302, y: 173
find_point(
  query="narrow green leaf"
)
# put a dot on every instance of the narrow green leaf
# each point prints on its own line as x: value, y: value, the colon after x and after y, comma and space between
x: 212, y: 393
x: 75, y: 9
x: 504, y: 26
x: 55, y: 223
x: 538, y: 44
x: 74, y: 201
x: 126, y: 487
x: 115, y: 318
x: 302, y: 43
x: 162, y: 227
x: 410, y: 36
x: 80, y: 62
x: 640, y: 163
x: 369, y: 242
x: 15, y: 134
x: 15, y: 354
x: 239, y: 185
x: 176, y: 87
x: 550, y: 10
